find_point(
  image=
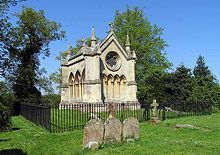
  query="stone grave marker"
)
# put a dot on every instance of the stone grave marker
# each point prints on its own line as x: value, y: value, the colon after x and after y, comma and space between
x: 113, y: 129
x: 111, y: 108
x: 155, y: 119
x: 130, y: 131
x: 93, y: 134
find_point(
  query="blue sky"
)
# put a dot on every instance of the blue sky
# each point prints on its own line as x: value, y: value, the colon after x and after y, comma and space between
x: 191, y: 27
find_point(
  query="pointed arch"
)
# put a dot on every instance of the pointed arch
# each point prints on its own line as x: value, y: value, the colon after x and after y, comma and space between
x: 71, y: 85
x: 105, y: 86
x: 116, y: 87
x: 82, y: 83
x: 77, y: 84
x: 123, y: 84
x: 110, y: 86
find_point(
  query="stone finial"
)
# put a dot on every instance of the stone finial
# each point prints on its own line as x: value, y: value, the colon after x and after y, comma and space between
x: 134, y: 55
x: 93, y: 38
x: 111, y: 25
x: 128, y: 45
x: 83, y: 42
x: 68, y: 52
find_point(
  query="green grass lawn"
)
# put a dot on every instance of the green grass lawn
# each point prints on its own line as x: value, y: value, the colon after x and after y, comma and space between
x: 70, y: 119
x: 154, y: 139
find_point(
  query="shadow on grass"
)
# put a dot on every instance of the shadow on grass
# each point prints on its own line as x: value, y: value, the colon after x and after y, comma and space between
x: 14, y: 129
x: 4, y: 140
x: 12, y: 152
x: 9, y: 130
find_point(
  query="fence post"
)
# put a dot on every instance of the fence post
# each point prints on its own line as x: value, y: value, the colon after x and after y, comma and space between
x: 163, y: 113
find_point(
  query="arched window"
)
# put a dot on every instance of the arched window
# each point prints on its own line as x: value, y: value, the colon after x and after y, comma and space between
x: 123, y: 86
x: 71, y: 85
x: 77, y: 85
x: 105, y: 86
x: 110, y: 87
x: 82, y: 83
x: 116, y: 87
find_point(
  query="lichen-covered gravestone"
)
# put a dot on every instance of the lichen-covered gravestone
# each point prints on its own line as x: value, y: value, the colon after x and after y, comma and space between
x: 93, y: 134
x: 130, y: 130
x: 113, y: 129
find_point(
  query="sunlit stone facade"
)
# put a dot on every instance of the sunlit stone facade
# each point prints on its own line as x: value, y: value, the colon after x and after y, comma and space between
x: 100, y: 73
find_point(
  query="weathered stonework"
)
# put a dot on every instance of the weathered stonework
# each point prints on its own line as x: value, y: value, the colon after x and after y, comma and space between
x: 93, y: 134
x: 100, y: 73
x: 131, y: 129
x: 97, y: 133
x: 113, y: 131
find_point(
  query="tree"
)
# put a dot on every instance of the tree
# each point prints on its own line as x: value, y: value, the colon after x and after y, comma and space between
x: 147, y: 42
x: 178, y: 85
x: 205, y: 87
x: 29, y: 40
x: 5, y: 28
x: 202, y: 73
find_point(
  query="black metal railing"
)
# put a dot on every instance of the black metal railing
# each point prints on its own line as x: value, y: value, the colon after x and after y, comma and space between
x: 38, y: 114
x: 69, y: 117
x: 175, y: 109
x: 75, y: 116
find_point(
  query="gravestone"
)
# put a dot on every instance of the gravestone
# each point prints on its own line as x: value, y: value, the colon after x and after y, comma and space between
x: 130, y: 131
x: 113, y: 129
x: 154, y: 118
x: 111, y: 108
x: 93, y: 134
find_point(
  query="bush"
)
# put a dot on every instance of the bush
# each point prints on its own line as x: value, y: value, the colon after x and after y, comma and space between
x: 7, y: 100
x: 215, y: 109
x: 5, y: 118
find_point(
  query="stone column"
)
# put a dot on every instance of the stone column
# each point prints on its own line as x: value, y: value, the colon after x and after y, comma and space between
x: 64, y: 85
x: 131, y: 83
x: 92, y: 79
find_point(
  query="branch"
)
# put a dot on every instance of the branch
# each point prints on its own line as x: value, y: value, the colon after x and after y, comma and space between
x: 12, y: 1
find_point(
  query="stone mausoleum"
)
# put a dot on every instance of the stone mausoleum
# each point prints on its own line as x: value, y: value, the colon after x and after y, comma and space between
x: 101, y: 73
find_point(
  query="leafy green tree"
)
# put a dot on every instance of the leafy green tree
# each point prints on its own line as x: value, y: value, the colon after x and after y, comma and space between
x: 146, y: 40
x: 51, y: 99
x: 55, y: 77
x: 156, y: 85
x: 5, y: 118
x: 6, y: 96
x: 29, y: 40
x: 5, y: 28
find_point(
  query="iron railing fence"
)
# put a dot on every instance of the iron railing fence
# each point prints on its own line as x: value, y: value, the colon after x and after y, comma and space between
x: 62, y: 118
x: 38, y: 114
x: 75, y: 116
x: 176, y: 109
x: 69, y: 117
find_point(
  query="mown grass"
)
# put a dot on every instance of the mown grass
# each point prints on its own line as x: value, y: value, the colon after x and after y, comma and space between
x: 163, y: 138
x: 70, y: 119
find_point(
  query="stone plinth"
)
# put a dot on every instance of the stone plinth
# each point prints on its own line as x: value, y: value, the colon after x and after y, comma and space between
x: 155, y: 120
